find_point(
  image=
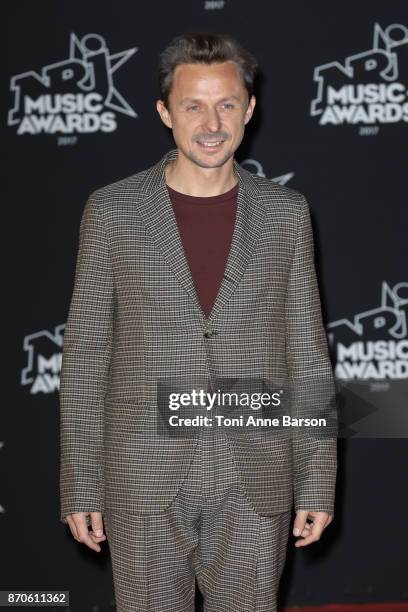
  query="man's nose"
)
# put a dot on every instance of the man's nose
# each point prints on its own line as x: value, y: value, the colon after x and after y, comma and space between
x: 213, y: 120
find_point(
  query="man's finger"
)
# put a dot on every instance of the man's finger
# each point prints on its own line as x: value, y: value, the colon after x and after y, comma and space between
x: 72, y: 526
x: 315, y: 533
x: 300, y: 522
x: 306, y: 530
x: 97, y: 525
x: 329, y: 520
x: 83, y: 533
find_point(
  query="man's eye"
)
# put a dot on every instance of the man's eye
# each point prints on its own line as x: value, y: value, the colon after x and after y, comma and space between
x: 228, y: 104
x: 193, y: 107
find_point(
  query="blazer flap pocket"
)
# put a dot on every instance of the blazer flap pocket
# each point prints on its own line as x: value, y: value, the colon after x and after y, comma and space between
x: 126, y: 415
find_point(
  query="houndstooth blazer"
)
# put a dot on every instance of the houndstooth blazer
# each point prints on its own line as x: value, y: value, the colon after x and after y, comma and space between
x: 135, y: 317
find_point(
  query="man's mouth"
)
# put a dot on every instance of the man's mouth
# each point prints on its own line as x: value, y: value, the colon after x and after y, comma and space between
x: 210, y: 144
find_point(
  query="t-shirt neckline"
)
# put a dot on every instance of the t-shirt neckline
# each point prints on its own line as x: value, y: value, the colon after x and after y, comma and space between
x: 183, y: 197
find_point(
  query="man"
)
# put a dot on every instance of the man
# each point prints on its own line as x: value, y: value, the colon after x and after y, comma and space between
x: 194, y: 270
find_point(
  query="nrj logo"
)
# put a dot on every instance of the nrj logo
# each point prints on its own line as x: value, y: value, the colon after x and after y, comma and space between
x: 367, y: 87
x: 74, y: 96
x: 252, y: 165
x: 374, y: 345
x: 44, y: 358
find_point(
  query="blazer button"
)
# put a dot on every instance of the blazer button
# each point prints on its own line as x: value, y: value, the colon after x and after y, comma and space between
x: 208, y: 333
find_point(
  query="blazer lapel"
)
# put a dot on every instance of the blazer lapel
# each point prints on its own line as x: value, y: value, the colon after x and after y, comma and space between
x: 157, y: 213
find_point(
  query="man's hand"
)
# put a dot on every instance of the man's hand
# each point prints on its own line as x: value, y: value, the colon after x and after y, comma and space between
x: 310, y: 532
x: 78, y: 525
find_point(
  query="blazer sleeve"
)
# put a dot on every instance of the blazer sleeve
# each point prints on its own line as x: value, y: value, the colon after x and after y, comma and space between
x: 312, y: 384
x: 86, y: 356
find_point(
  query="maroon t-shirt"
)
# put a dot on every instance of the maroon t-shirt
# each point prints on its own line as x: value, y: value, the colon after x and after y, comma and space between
x: 206, y: 226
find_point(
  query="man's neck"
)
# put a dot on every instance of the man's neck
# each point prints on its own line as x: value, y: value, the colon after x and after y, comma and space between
x: 189, y: 178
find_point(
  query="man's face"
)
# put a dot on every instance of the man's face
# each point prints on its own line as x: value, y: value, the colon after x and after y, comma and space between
x: 207, y: 104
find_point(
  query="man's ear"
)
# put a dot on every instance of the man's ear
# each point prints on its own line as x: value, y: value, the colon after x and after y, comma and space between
x: 250, y: 109
x: 164, y: 113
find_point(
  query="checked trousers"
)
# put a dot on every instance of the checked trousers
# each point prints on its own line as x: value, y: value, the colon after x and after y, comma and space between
x: 210, y: 533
